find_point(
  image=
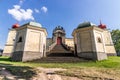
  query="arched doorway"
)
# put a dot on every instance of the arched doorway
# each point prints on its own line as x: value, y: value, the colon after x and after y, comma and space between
x: 59, y: 40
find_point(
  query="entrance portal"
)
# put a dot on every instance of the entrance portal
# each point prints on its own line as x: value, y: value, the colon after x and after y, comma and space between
x: 59, y: 40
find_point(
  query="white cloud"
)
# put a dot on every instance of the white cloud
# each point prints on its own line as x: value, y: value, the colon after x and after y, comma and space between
x: 44, y: 9
x: 37, y: 11
x: 21, y: 14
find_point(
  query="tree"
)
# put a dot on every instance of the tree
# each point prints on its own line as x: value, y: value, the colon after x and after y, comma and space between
x: 116, y: 39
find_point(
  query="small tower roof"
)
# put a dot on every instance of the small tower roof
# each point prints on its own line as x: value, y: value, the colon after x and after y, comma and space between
x: 59, y: 28
x: 16, y: 25
x: 85, y: 24
x: 102, y: 26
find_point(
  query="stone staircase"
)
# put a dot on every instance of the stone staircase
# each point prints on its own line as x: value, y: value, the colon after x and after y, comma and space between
x: 60, y: 54
x: 59, y: 60
x: 60, y: 50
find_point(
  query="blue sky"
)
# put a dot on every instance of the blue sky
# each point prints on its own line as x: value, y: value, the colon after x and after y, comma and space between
x: 51, y: 13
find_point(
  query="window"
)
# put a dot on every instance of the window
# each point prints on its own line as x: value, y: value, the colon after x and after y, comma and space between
x: 99, y: 40
x: 20, y: 39
x: 13, y: 39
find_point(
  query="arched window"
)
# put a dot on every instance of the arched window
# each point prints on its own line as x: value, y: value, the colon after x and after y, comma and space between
x: 20, y: 39
x: 99, y: 40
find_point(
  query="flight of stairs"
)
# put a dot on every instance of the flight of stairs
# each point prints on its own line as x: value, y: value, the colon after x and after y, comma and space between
x: 60, y: 50
x: 59, y: 60
x: 60, y: 54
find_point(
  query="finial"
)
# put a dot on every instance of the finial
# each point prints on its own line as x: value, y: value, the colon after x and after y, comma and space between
x: 100, y: 22
x: 102, y: 26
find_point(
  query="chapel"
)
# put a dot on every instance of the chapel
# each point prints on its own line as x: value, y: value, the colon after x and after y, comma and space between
x: 29, y: 42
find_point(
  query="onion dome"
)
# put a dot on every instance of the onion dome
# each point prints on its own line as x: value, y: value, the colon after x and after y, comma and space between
x: 15, y: 25
x: 102, y: 26
x: 85, y: 24
x: 59, y: 28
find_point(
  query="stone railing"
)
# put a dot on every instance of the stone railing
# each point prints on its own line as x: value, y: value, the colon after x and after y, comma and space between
x: 51, y: 46
x: 68, y: 47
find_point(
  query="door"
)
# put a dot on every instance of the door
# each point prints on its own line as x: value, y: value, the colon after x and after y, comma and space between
x: 59, y: 40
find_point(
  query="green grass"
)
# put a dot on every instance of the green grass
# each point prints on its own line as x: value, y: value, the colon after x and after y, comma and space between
x: 112, y: 62
x: 27, y: 69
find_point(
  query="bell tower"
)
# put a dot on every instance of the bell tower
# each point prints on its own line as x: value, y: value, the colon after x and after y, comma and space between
x: 59, y: 35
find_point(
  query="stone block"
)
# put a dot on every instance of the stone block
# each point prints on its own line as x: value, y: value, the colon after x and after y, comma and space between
x: 93, y: 55
x: 29, y: 56
x: 17, y: 56
x: 6, y: 54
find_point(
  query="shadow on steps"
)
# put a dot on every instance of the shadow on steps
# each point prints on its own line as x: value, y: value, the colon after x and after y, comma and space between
x: 60, y: 60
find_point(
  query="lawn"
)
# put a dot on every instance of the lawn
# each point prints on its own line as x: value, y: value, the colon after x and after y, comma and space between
x: 111, y: 62
x: 92, y: 70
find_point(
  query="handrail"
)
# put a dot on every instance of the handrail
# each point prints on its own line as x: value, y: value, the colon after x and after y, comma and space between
x: 66, y: 46
x: 51, y: 46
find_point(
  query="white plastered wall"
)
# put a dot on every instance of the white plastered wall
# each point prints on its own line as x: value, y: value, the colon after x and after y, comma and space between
x: 10, y: 41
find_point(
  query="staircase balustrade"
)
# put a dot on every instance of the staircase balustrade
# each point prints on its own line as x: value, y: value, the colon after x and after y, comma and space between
x: 52, y: 46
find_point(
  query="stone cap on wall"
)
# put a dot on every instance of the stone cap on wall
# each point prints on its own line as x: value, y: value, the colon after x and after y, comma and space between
x: 32, y: 23
x: 35, y: 24
x: 87, y: 29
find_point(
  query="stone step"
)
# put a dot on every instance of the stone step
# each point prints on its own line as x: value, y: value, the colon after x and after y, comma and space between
x: 60, y: 54
x: 60, y: 49
x: 59, y: 59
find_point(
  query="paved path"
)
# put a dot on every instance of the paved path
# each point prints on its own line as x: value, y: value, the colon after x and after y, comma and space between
x: 50, y: 74
x: 42, y: 74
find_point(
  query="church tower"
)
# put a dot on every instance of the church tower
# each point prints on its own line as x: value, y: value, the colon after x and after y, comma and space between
x: 30, y: 42
x: 93, y: 42
x: 59, y: 35
x: 89, y: 41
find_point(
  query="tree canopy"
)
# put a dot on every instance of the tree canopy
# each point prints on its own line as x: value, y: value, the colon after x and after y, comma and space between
x: 116, y: 39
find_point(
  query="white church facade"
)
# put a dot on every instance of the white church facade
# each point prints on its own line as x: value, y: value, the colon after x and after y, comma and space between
x: 29, y: 42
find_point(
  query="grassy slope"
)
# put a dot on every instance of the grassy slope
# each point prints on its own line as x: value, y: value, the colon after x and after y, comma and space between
x: 112, y: 62
x: 92, y: 70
